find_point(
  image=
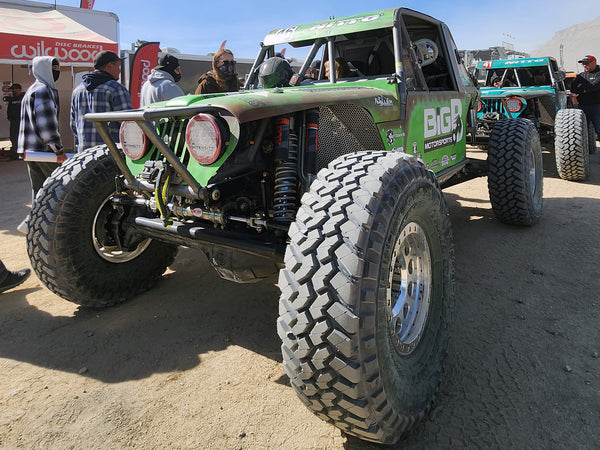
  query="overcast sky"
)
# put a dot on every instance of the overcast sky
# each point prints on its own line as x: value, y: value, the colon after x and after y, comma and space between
x: 199, y: 27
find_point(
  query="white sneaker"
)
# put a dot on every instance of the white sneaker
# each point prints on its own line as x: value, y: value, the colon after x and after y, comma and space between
x: 24, y: 226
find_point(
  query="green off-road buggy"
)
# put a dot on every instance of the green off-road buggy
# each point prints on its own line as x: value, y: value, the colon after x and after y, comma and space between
x: 334, y: 183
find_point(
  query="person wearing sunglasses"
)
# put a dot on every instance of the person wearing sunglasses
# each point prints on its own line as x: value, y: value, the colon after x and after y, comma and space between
x: 587, y: 87
x: 222, y: 78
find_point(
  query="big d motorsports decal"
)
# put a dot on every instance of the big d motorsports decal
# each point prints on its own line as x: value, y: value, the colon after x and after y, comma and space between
x: 443, y: 125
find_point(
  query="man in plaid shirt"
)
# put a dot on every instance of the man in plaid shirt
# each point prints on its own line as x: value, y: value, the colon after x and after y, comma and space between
x: 38, y: 130
x: 98, y: 92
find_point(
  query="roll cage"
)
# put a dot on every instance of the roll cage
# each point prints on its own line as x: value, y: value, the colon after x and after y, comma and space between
x: 402, y: 45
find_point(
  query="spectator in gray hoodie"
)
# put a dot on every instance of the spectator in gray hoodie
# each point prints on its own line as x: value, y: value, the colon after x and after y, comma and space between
x: 160, y: 85
x: 38, y: 130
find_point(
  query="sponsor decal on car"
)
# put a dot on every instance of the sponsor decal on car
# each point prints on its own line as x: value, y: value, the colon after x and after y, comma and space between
x: 391, y: 136
x: 341, y: 23
x: 443, y: 125
x: 380, y: 100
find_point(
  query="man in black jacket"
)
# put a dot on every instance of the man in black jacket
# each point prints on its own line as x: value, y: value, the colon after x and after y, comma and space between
x: 13, y: 113
x: 587, y: 86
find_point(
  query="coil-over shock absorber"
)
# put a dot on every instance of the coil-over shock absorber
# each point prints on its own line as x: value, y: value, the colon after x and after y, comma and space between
x: 286, y: 171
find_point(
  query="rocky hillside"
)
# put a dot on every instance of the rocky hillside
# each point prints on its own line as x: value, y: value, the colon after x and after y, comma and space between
x: 578, y: 40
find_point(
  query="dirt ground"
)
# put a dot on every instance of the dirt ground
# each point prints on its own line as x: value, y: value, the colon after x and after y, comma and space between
x: 195, y: 362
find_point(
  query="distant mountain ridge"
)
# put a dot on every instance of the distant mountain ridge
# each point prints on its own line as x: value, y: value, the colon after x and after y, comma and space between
x: 579, y: 40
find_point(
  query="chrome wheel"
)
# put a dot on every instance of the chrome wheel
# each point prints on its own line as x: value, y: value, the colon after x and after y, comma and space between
x: 532, y: 171
x: 409, y: 288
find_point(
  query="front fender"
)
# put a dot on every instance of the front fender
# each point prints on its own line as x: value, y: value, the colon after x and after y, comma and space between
x: 247, y: 106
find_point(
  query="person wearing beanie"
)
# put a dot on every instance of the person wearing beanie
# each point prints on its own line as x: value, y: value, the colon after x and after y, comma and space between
x: 98, y: 92
x: 223, y: 76
x: 38, y: 130
x: 160, y: 85
x: 587, y: 87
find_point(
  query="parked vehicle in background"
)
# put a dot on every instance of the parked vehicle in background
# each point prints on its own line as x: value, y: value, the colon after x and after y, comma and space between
x: 534, y: 89
x: 335, y: 183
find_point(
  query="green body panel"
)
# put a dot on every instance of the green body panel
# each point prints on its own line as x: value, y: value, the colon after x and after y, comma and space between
x: 261, y: 103
x: 434, y: 130
x: 334, y: 27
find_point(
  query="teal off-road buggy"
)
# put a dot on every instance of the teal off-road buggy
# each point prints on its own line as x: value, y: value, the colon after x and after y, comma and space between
x: 334, y: 183
x: 534, y: 89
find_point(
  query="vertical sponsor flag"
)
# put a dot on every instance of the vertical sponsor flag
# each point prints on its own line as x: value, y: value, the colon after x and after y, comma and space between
x: 87, y: 4
x: 144, y: 60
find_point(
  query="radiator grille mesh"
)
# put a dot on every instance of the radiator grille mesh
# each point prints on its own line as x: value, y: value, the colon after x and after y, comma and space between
x: 345, y: 129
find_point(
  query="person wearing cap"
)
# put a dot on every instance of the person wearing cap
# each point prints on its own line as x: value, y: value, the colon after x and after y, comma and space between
x: 222, y: 77
x: 13, y: 114
x: 587, y: 87
x: 38, y: 130
x: 98, y: 92
x: 160, y: 85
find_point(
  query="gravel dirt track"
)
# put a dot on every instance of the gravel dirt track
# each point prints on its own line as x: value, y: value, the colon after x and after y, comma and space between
x: 195, y: 362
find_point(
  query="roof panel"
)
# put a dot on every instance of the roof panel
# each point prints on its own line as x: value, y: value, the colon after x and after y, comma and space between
x: 333, y: 27
x: 508, y: 63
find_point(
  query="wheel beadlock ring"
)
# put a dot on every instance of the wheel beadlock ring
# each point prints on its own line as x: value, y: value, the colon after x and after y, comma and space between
x: 532, y: 171
x: 107, y: 252
x: 409, y: 289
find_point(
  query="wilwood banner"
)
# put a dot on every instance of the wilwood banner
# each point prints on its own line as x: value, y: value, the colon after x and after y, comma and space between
x: 144, y: 60
x: 25, y: 48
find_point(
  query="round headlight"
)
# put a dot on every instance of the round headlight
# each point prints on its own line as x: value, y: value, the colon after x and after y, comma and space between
x: 205, y: 137
x: 133, y: 140
x: 513, y: 104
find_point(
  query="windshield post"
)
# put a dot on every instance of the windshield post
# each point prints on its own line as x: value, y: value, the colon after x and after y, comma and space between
x: 313, y: 52
x: 254, y: 70
x: 331, y: 55
x: 398, y: 59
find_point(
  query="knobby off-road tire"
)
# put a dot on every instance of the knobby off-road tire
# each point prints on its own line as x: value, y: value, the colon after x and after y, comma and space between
x: 591, y: 137
x: 69, y: 242
x: 366, y: 294
x: 571, y: 147
x: 515, y: 172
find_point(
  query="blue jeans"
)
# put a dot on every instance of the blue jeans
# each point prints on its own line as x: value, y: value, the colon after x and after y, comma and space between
x: 592, y: 112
